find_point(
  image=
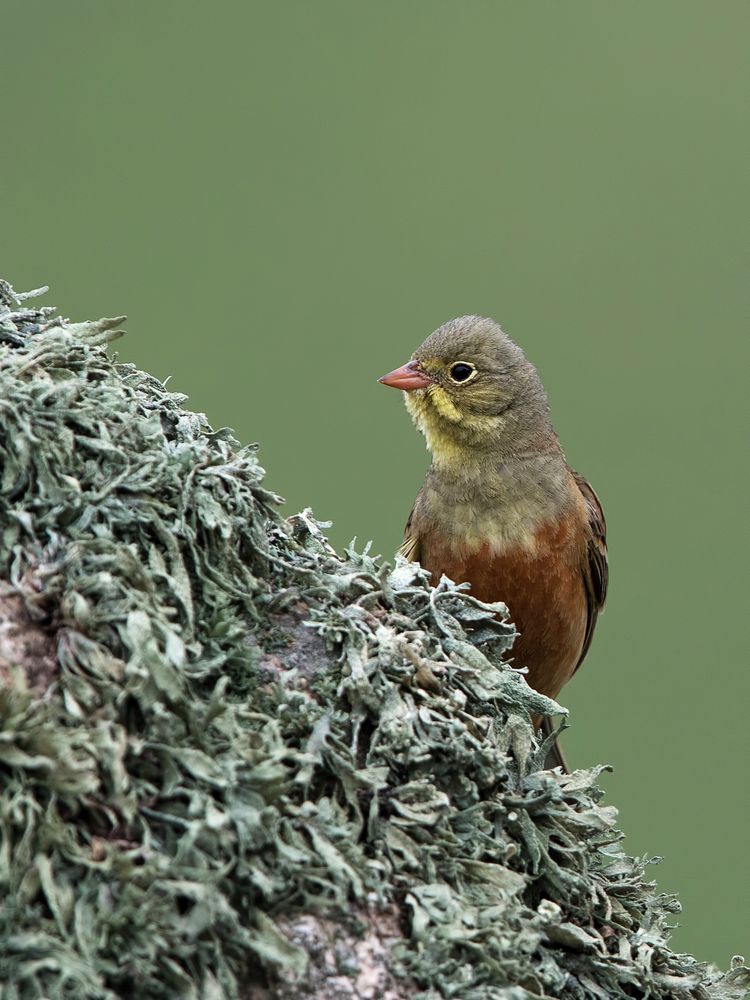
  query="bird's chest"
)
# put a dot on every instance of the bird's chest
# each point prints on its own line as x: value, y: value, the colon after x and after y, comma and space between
x: 507, y: 509
x: 516, y: 560
x: 538, y: 577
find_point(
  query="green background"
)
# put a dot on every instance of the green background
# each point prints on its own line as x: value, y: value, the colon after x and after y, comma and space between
x: 287, y: 197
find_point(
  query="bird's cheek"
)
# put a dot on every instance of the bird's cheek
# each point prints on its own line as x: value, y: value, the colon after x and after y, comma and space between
x: 444, y: 405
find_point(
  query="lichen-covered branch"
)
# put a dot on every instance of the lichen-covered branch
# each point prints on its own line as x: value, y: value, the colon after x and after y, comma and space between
x: 236, y: 764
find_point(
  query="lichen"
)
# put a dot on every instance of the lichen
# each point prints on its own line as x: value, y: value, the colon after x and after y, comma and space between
x: 238, y: 740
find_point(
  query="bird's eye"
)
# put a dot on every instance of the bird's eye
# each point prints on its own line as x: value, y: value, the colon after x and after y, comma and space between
x: 462, y: 371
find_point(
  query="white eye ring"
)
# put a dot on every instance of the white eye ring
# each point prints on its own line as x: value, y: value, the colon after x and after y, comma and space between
x: 462, y: 381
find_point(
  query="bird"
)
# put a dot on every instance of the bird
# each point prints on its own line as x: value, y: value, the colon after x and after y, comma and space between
x: 500, y: 508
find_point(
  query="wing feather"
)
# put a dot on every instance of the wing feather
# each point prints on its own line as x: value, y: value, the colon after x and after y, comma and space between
x: 596, y: 565
x: 410, y: 547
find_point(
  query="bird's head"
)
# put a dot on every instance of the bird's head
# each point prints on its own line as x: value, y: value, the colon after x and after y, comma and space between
x: 470, y: 391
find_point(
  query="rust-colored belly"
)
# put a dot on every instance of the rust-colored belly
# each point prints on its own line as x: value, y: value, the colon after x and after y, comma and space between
x: 544, y: 589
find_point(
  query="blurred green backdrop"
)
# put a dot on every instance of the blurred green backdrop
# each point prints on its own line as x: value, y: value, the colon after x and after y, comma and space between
x: 287, y: 197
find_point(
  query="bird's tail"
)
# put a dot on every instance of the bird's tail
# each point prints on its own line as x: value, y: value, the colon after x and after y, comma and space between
x: 555, y: 756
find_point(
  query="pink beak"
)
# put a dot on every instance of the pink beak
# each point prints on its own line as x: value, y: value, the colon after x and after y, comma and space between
x: 407, y: 377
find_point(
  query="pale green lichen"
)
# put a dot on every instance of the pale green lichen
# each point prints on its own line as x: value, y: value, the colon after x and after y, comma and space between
x: 240, y: 727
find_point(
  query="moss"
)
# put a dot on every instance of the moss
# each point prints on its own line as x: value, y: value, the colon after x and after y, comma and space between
x: 239, y: 731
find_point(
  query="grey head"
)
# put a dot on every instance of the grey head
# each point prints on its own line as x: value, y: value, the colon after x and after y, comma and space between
x: 472, y: 391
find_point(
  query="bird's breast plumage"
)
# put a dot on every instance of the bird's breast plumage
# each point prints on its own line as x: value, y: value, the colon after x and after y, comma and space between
x: 501, y: 506
x: 518, y: 534
x: 541, y: 582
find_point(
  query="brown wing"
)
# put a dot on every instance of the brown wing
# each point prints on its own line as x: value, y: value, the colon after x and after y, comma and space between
x: 596, y: 566
x: 410, y: 547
